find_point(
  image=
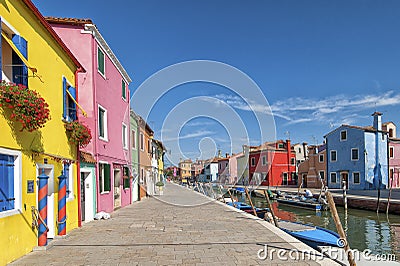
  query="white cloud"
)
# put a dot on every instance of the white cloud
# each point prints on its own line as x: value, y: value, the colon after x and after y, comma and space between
x: 197, y: 134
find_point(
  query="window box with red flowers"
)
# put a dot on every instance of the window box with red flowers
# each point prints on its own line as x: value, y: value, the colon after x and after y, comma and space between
x: 24, y: 106
x: 78, y: 133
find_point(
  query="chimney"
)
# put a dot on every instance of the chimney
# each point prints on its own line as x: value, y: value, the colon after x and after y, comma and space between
x: 288, y: 147
x: 226, y: 155
x: 377, y: 121
x: 219, y: 154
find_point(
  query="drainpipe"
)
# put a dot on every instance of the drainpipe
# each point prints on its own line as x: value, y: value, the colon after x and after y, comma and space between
x: 78, y: 155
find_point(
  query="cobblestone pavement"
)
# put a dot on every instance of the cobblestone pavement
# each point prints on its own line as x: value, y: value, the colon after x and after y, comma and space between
x: 153, y: 232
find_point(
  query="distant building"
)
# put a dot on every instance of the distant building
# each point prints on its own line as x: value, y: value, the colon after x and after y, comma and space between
x: 223, y: 169
x: 301, y: 152
x: 394, y: 155
x: 272, y: 164
x: 197, y: 169
x: 313, y: 169
x: 210, y: 171
x: 358, y: 155
x: 186, y: 168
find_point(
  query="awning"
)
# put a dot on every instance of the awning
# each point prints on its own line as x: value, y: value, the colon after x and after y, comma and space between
x: 77, y: 104
x: 15, y: 49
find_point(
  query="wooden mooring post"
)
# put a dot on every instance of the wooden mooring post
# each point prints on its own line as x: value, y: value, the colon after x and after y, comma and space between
x: 390, y: 195
x: 270, y: 208
x: 339, y: 228
x: 251, y: 202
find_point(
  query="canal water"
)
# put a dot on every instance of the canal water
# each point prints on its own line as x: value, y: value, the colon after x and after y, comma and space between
x: 365, y: 229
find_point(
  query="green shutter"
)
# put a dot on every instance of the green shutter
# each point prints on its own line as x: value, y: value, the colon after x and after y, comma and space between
x: 107, y: 178
x: 123, y: 90
x: 101, y: 123
x: 100, y: 60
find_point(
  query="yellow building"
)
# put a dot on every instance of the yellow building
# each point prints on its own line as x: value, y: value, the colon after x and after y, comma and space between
x: 186, y: 169
x: 31, y: 53
x: 160, y: 159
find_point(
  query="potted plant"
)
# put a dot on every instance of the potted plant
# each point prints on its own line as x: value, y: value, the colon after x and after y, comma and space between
x: 160, y: 185
x: 24, y: 106
x: 78, y: 133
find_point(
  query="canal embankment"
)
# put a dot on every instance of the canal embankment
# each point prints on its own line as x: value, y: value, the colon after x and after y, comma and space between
x: 181, y: 227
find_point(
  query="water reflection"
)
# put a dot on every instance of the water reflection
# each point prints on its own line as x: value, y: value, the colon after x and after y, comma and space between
x: 365, y: 229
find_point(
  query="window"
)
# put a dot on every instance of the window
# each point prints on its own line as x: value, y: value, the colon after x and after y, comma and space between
x: 124, y: 136
x: 343, y: 135
x: 264, y: 160
x: 333, y: 156
x: 7, y: 182
x: 299, y: 150
x: 354, y: 154
x: 333, y: 178
x: 391, y: 152
x: 103, y: 131
x: 104, y: 177
x: 127, y: 182
x: 10, y: 182
x: 321, y: 158
x: 391, y: 133
x: 100, y: 62
x: 68, y: 172
x: 253, y: 161
x: 292, y: 161
x: 13, y: 68
x: 285, y: 178
x: 391, y: 175
x: 123, y: 90
x: 356, y: 178
x: 280, y: 146
x: 322, y: 175
x: 133, y: 141
x: 141, y: 141
x: 69, y: 99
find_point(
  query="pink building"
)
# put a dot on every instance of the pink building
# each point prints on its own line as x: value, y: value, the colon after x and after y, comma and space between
x: 223, y: 169
x: 394, y: 155
x: 233, y: 168
x: 104, y: 95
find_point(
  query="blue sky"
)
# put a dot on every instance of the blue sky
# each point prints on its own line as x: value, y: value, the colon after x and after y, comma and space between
x: 318, y: 63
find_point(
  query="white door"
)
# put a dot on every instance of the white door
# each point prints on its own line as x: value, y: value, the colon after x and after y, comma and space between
x: 88, y: 199
x: 49, y: 171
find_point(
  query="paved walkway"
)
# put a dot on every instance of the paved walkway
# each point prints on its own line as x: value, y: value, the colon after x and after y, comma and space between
x: 153, y: 232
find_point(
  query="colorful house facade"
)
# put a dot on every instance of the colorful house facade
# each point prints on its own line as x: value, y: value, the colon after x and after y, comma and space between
x: 272, y: 164
x: 313, y: 169
x: 33, y: 55
x: 104, y: 95
x: 146, y: 183
x: 134, y: 127
x: 358, y: 156
x: 394, y: 155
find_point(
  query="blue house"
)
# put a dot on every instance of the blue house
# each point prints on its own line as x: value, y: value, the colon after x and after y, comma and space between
x: 358, y: 155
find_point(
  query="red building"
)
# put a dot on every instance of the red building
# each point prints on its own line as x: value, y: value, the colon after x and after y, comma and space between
x: 272, y: 164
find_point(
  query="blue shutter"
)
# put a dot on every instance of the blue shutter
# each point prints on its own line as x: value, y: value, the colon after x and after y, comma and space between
x: 66, y: 173
x: 3, y: 182
x: 64, y: 88
x: 7, y: 200
x: 20, y: 73
x: 71, y: 104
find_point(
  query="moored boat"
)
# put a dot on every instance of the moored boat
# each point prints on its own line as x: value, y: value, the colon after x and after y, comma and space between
x: 311, y: 235
x: 303, y: 203
x: 247, y: 208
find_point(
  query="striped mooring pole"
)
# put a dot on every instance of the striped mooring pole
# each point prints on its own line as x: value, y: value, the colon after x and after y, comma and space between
x: 62, y: 208
x: 42, y: 200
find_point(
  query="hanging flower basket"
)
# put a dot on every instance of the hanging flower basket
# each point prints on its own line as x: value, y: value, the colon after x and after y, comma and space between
x: 26, y: 106
x: 78, y: 133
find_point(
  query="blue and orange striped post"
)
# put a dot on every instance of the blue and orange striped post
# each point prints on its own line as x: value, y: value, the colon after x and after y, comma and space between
x: 62, y: 208
x: 42, y: 200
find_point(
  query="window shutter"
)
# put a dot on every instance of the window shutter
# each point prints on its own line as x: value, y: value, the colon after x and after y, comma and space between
x: 7, y: 200
x: 10, y: 179
x: 64, y: 88
x: 72, y: 105
x: 107, y: 178
x: 123, y: 90
x: 3, y: 182
x: 100, y: 60
x: 20, y: 71
x: 66, y: 173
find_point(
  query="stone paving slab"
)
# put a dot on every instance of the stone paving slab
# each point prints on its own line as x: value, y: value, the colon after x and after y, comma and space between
x: 162, y: 231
